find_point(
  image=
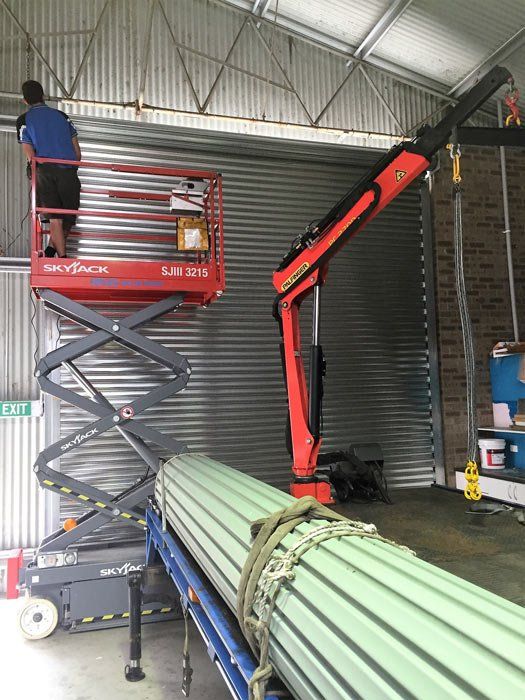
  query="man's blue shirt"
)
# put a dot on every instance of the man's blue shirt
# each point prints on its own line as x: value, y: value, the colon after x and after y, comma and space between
x: 48, y: 130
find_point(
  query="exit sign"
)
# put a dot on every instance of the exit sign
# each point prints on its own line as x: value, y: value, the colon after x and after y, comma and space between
x: 20, y: 409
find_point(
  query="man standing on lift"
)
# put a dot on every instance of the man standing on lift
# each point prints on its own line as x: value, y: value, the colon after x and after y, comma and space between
x: 48, y: 133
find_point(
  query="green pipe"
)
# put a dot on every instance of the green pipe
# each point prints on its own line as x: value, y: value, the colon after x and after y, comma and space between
x: 361, y: 618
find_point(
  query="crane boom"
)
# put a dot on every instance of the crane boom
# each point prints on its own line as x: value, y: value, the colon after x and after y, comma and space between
x: 304, y: 269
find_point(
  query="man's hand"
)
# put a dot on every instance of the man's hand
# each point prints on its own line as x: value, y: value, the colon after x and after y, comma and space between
x: 29, y: 152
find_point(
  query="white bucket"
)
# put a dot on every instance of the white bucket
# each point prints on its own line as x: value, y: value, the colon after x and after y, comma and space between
x: 492, y: 453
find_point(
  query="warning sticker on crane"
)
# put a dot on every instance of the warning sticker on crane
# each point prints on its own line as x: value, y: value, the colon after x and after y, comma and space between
x: 400, y: 174
x: 295, y: 275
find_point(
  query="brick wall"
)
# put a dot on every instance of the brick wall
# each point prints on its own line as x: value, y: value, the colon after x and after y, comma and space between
x: 486, y: 280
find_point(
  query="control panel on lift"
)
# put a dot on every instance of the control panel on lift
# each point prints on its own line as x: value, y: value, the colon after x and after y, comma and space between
x: 142, y: 233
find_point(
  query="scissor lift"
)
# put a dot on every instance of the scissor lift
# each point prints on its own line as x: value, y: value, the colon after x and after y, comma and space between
x: 67, y: 583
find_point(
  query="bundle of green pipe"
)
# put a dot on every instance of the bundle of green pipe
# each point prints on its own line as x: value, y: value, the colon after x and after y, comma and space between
x: 361, y: 618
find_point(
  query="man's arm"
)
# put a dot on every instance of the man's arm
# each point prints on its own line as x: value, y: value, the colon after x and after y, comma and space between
x: 76, y: 146
x: 29, y: 151
x: 23, y: 137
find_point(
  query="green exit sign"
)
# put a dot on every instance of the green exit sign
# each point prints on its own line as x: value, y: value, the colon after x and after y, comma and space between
x: 20, y: 409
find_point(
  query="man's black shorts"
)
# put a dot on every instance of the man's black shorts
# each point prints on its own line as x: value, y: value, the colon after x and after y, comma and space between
x: 58, y: 188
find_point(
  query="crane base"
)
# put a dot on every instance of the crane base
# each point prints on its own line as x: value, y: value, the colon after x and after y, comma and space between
x: 321, y: 490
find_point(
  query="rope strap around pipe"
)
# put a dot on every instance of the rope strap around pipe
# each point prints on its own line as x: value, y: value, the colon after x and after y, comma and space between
x: 265, y: 571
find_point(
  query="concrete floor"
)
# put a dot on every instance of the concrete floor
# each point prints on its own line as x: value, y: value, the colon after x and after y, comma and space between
x: 488, y: 550
x: 90, y: 665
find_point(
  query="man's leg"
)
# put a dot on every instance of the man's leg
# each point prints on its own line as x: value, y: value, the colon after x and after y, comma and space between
x: 67, y: 225
x: 48, y: 196
x: 57, y: 236
x: 69, y: 190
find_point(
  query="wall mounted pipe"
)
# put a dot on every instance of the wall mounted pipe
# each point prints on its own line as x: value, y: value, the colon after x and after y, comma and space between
x: 15, y: 265
x: 507, y: 232
x: 362, y: 618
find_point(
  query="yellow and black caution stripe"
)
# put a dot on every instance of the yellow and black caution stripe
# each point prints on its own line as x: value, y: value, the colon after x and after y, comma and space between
x: 86, y: 499
x: 123, y: 616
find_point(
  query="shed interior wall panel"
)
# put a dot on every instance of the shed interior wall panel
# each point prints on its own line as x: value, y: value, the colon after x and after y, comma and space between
x: 22, y: 502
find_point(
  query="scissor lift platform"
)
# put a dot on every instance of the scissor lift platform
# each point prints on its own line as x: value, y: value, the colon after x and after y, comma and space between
x: 199, y: 275
x: 84, y: 290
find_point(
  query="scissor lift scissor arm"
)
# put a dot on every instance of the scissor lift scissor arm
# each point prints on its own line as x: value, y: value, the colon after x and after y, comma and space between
x: 80, y: 289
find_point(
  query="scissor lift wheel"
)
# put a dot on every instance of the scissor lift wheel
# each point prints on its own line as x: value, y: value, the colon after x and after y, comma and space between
x: 37, y: 618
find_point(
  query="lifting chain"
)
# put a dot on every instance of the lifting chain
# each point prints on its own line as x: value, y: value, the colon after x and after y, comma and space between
x: 472, y: 489
x: 511, y: 100
x: 29, y: 52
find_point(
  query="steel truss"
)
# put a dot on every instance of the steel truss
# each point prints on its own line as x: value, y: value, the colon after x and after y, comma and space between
x: 103, y: 506
x: 254, y: 17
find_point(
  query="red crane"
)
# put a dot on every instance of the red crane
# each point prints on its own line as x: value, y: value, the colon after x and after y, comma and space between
x: 304, y: 270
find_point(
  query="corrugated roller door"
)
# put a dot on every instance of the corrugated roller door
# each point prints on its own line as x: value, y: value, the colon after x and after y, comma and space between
x: 234, y: 408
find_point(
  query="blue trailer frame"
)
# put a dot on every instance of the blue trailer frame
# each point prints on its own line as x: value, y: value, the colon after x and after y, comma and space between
x: 226, y: 646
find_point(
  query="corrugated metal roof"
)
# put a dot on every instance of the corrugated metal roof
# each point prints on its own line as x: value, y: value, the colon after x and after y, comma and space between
x: 439, y: 42
x: 516, y: 65
x: 444, y: 40
x: 343, y: 19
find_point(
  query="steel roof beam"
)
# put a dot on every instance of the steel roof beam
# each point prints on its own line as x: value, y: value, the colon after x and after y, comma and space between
x: 87, y: 52
x: 263, y: 4
x: 275, y: 60
x: 34, y: 47
x: 380, y: 97
x: 382, y: 27
x: 202, y: 54
x: 187, y: 75
x: 146, y: 50
x: 335, y: 94
x: 264, y: 8
x: 324, y: 41
x: 260, y: 7
x: 365, y: 48
x: 499, y: 55
x: 221, y: 71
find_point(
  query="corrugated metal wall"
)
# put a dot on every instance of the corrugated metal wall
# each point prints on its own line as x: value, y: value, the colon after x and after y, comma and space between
x: 234, y: 407
x: 14, y: 198
x: 22, y: 503
x: 200, y: 33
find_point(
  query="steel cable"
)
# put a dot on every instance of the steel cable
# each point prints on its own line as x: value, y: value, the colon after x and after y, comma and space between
x: 466, y: 328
